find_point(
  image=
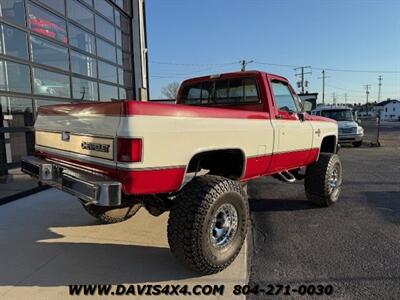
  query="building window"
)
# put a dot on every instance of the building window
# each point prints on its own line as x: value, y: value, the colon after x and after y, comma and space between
x: 46, y: 23
x: 14, y: 77
x: 84, y: 89
x: 13, y: 42
x: 105, y: 28
x: 108, y: 92
x: 57, y: 5
x: 81, y: 39
x: 83, y: 64
x: 20, y: 108
x: 80, y: 14
x: 13, y: 11
x: 103, y: 7
x: 118, y: 37
x: 107, y: 72
x: 106, y: 50
x: 51, y: 83
x: 48, y: 53
x: 122, y: 94
x: 88, y: 2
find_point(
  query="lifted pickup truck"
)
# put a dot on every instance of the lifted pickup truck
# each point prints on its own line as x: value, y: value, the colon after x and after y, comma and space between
x: 192, y: 158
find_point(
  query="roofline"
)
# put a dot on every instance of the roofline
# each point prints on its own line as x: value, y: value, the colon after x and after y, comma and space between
x: 229, y: 75
x: 383, y: 103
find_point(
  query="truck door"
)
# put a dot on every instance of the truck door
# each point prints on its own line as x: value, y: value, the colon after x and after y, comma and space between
x: 293, y: 136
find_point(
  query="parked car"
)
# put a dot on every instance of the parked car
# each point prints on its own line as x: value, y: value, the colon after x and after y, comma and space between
x: 349, y: 130
x: 192, y: 158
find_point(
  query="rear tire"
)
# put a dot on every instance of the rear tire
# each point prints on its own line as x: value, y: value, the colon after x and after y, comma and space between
x: 113, y: 214
x: 323, y: 180
x: 208, y: 223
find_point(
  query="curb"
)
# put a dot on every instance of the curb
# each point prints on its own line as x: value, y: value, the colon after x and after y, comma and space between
x: 23, y: 194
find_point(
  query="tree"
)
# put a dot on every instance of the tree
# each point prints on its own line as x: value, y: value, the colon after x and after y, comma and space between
x: 171, y: 90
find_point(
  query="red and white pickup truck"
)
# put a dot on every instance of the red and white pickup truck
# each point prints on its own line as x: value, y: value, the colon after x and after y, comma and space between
x: 192, y: 158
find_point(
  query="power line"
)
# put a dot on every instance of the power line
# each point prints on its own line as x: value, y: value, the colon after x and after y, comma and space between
x: 357, y: 71
x: 190, y: 64
x: 273, y: 64
x: 345, y: 89
x: 278, y: 65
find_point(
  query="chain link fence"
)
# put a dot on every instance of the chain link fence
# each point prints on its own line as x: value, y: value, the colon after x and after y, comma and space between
x: 371, y: 127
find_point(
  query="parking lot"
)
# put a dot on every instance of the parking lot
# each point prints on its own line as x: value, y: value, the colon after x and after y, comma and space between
x: 353, y: 245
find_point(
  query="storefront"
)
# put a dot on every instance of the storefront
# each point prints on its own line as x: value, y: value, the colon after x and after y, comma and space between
x: 62, y: 51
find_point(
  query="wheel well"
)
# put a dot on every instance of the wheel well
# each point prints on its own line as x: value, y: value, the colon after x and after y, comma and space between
x: 228, y: 163
x: 329, y: 144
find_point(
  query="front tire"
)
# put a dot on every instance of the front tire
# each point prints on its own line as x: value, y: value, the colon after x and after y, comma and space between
x: 208, y: 223
x: 113, y: 214
x: 323, y: 180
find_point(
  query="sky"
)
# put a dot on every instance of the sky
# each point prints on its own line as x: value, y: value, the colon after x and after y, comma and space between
x: 190, y: 38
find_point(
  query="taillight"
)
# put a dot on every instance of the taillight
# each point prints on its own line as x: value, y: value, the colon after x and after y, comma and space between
x: 129, y: 150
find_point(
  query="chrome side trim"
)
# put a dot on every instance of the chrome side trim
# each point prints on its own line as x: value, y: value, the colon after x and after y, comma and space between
x: 77, y: 156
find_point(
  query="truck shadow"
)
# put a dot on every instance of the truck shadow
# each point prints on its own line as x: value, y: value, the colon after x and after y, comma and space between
x: 263, y: 205
x: 52, y: 242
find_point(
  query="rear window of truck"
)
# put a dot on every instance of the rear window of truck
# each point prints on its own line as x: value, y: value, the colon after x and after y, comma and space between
x: 225, y: 92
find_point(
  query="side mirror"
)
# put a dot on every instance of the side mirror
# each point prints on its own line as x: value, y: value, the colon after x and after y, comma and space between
x: 307, y: 106
x: 358, y: 121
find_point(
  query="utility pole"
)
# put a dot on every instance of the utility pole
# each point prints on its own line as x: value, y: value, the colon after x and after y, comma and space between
x: 334, y: 98
x: 367, y: 87
x: 379, y: 87
x: 301, y: 74
x: 244, y: 63
x: 345, y: 99
x: 323, y: 85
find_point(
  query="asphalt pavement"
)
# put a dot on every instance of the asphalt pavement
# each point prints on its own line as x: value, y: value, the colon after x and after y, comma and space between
x: 353, y: 246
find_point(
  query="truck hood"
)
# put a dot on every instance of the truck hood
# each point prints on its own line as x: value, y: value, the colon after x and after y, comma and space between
x: 347, y: 124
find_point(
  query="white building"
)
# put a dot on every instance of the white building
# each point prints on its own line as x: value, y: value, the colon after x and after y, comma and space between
x: 389, y: 110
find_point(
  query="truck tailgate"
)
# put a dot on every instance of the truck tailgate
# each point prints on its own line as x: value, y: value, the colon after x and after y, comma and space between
x: 84, y: 131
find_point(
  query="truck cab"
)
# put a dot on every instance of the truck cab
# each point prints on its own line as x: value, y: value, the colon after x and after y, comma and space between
x: 350, y: 130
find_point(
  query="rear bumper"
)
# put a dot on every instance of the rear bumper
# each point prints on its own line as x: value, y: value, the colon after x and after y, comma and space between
x: 90, y: 188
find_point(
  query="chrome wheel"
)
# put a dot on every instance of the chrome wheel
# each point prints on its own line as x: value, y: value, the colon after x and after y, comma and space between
x: 334, y: 180
x: 224, y: 225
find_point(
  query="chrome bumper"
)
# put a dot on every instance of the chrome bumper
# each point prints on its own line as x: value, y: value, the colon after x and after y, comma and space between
x: 350, y: 138
x: 93, y: 189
